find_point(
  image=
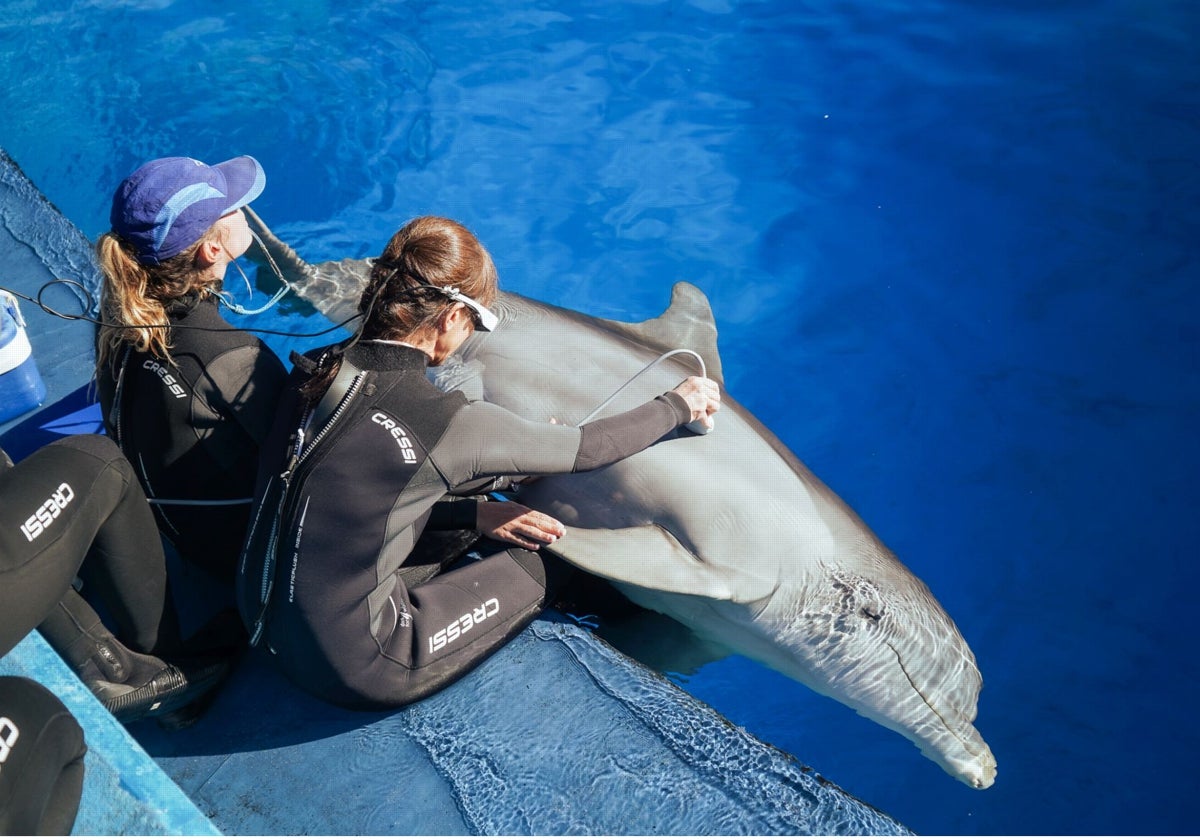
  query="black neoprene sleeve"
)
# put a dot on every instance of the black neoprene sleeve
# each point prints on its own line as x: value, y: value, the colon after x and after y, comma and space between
x: 613, y: 438
x: 456, y: 515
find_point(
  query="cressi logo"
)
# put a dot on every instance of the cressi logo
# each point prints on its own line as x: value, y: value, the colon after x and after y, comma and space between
x: 8, y: 739
x: 167, y: 378
x: 463, y: 624
x: 47, y: 512
x: 407, y: 451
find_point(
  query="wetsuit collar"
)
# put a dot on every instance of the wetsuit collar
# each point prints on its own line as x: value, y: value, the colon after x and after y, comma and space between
x: 184, y: 304
x: 388, y: 357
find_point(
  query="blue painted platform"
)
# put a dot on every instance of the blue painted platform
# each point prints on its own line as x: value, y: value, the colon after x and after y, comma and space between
x: 557, y: 733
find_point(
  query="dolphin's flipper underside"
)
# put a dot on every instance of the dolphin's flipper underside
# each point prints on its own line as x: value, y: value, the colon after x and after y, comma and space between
x: 651, y: 557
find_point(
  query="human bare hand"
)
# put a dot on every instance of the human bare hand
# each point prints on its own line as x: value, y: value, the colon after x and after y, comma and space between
x: 703, y: 397
x: 514, y: 523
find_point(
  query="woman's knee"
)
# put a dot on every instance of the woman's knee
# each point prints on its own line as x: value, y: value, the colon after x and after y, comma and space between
x: 100, y: 447
x: 41, y: 760
x: 550, y: 572
x: 98, y: 456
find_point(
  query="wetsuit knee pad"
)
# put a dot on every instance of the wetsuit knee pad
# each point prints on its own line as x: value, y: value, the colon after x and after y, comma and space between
x: 41, y: 760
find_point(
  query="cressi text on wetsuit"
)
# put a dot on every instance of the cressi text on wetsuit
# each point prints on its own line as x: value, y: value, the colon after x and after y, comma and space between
x: 192, y: 427
x: 339, y: 509
x: 76, y: 498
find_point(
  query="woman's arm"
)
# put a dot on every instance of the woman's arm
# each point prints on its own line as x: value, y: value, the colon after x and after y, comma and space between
x: 609, y: 440
x: 485, y: 439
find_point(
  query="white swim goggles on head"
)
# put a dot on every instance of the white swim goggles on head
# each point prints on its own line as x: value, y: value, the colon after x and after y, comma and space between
x: 485, y: 319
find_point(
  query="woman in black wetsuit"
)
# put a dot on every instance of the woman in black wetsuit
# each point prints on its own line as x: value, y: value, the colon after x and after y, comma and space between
x: 189, y: 405
x: 363, y: 450
x: 74, y: 508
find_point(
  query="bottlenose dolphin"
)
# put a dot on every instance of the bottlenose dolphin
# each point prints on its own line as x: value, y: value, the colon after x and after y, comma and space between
x: 727, y: 533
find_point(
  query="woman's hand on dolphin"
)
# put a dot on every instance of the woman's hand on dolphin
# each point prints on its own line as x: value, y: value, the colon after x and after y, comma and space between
x: 514, y: 523
x: 703, y: 397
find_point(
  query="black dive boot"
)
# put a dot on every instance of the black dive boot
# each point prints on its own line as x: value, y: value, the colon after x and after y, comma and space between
x: 178, y: 693
x: 131, y: 685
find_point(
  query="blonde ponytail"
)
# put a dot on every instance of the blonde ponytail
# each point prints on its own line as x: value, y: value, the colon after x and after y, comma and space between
x: 134, y: 298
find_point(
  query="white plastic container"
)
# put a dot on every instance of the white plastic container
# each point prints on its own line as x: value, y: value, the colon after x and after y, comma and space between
x: 21, y: 385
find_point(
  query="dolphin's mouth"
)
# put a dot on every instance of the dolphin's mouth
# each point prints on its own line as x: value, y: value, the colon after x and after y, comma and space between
x: 929, y: 695
x: 979, y: 770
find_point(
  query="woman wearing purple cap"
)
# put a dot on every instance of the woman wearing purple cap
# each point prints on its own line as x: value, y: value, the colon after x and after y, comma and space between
x: 188, y: 397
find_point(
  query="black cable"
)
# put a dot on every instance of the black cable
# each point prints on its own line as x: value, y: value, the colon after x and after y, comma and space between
x: 90, y: 301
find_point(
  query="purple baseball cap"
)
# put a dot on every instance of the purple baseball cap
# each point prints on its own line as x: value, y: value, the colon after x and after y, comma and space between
x: 167, y: 204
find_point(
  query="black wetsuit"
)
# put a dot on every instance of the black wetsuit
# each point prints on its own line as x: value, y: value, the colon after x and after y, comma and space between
x: 192, y: 427
x: 76, y: 498
x: 323, y: 575
x: 41, y: 760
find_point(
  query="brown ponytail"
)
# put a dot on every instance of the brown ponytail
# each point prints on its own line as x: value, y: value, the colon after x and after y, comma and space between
x: 397, y: 303
x: 428, y: 251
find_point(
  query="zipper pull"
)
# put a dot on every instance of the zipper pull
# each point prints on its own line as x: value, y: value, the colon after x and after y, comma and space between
x: 260, y: 623
x: 297, y: 450
x: 286, y: 475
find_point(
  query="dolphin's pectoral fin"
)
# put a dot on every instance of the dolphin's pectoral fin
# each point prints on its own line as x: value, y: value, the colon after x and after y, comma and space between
x: 688, y: 323
x: 651, y: 557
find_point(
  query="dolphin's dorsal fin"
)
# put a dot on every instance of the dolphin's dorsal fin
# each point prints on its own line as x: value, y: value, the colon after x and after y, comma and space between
x: 291, y: 265
x: 651, y: 557
x: 688, y: 323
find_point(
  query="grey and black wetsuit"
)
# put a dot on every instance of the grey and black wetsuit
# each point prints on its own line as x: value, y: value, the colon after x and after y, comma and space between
x: 192, y: 427
x: 339, y: 509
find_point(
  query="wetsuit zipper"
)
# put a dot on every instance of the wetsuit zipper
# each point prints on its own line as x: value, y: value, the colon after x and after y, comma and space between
x: 118, y: 394
x: 300, y: 452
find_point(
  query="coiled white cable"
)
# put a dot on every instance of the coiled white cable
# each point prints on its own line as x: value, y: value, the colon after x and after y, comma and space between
x: 632, y: 379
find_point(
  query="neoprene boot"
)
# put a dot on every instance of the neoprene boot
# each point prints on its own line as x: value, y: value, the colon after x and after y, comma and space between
x: 130, y: 685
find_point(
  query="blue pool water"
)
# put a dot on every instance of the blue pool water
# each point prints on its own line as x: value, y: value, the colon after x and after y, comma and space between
x: 951, y: 248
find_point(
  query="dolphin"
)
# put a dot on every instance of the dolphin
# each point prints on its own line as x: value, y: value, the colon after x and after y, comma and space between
x: 727, y: 533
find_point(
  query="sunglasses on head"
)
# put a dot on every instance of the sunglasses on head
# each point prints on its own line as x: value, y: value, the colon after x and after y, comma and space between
x: 485, y: 319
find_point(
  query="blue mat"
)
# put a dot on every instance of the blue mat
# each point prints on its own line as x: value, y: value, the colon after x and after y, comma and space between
x: 556, y: 734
